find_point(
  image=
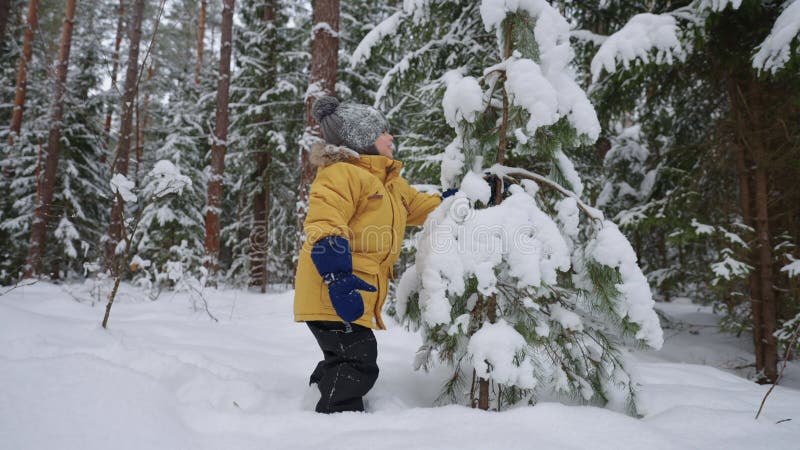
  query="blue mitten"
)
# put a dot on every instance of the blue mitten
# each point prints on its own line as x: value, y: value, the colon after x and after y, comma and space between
x: 334, y: 261
x: 494, y: 181
x: 347, y: 301
x: 448, y: 193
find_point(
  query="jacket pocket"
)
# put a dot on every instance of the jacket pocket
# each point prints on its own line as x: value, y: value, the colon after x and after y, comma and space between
x: 366, y: 263
x: 370, y: 298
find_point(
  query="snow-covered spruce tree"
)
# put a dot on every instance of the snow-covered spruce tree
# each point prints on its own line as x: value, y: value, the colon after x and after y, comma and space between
x: 659, y: 181
x: 162, y: 181
x: 647, y: 193
x: 82, y: 186
x: 76, y: 215
x: 359, y: 82
x: 698, y: 256
x: 630, y: 179
x: 22, y: 157
x: 715, y: 78
x: 266, y: 112
x: 250, y: 143
x: 534, y: 293
x: 169, y: 237
x: 177, y: 221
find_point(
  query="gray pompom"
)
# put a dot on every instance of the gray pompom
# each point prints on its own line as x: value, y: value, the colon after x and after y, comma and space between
x: 324, y: 107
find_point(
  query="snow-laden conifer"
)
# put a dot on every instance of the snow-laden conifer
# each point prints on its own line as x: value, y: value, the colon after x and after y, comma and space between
x: 531, y: 292
x: 266, y: 112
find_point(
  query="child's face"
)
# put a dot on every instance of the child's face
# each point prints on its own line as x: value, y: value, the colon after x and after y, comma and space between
x: 385, y: 144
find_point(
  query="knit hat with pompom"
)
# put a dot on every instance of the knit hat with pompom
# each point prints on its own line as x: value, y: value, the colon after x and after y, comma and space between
x: 350, y: 124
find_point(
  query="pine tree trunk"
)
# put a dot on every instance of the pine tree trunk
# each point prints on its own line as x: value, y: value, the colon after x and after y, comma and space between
x: 748, y: 108
x: 743, y: 173
x: 48, y: 182
x: 324, y: 64
x: 491, y: 303
x: 753, y: 280
x: 120, y: 163
x: 769, y: 310
x: 259, y: 238
x: 114, y: 68
x: 219, y: 146
x: 201, y: 35
x: 31, y: 25
x: 483, y: 394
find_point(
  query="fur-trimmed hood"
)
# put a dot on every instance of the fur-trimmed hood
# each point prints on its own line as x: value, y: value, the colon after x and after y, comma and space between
x: 323, y: 155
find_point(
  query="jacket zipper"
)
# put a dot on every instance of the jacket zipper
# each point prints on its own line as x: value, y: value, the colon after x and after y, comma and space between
x: 379, y: 304
x: 391, y: 202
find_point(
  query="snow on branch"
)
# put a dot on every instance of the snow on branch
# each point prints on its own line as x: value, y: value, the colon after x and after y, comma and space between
x: 497, y: 344
x: 459, y: 242
x: 729, y: 267
x: 405, y: 63
x: 166, y: 179
x: 493, y: 12
x: 775, y: 51
x: 323, y: 27
x: 637, y: 40
x: 719, y: 5
x: 793, y: 268
x: 415, y: 8
x: 611, y: 249
x: 383, y: 29
x: 123, y: 186
x: 588, y: 36
x: 530, y: 89
x: 513, y: 172
x: 462, y: 98
x: 547, y: 88
x: 400, y: 68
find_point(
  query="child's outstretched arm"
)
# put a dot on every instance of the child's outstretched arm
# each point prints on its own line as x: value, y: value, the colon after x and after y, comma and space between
x: 419, y: 205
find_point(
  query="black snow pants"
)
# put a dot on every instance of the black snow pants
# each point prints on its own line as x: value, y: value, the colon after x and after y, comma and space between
x: 349, y: 368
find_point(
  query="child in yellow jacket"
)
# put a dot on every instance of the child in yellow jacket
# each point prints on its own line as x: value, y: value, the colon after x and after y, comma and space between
x: 358, y: 209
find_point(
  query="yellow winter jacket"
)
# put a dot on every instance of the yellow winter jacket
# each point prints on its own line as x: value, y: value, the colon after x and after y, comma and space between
x: 362, y: 198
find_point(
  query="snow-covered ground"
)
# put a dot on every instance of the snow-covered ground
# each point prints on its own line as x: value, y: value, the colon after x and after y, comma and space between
x: 165, y: 376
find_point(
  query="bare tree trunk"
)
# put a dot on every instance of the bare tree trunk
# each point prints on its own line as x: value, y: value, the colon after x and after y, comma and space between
x: 219, y: 146
x: 201, y: 35
x: 120, y: 163
x: 114, y: 68
x: 31, y: 25
x: 40, y: 216
x: 259, y: 239
x: 324, y: 64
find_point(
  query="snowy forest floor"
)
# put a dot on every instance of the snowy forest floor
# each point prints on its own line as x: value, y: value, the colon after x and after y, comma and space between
x: 165, y: 376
